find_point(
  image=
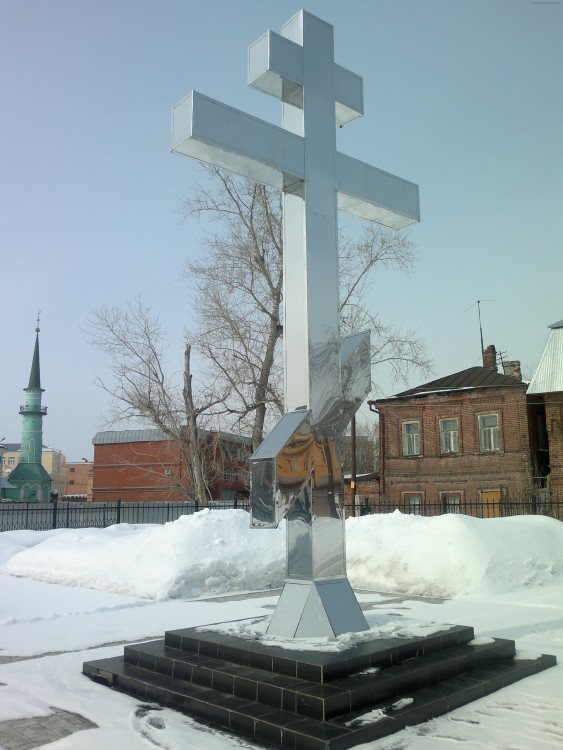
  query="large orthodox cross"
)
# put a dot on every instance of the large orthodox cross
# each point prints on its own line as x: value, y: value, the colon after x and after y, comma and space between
x: 297, y: 472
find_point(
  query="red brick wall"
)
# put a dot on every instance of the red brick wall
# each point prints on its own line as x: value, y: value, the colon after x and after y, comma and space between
x: 136, y: 471
x: 470, y: 471
x: 554, y: 425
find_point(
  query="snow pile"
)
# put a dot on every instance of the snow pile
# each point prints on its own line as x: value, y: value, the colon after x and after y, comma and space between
x: 215, y: 552
x: 452, y: 555
x: 210, y: 552
x: 20, y: 704
x: 380, y: 626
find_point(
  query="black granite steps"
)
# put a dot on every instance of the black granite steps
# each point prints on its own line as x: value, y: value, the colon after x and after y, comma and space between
x: 309, y: 700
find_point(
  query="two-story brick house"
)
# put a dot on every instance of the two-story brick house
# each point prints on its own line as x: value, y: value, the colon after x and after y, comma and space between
x: 456, y: 444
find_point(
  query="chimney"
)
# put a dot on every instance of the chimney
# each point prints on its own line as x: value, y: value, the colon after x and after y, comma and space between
x: 490, y: 358
x: 512, y: 369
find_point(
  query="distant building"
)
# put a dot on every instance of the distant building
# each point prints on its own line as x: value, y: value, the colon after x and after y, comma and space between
x: 29, y: 480
x: 52, y: 460
x: 146, y: 465
x: 79, y: 481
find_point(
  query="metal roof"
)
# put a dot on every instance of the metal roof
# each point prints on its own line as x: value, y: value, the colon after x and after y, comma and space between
x: 548, y: 377
x: 128, y: 436
x: 152, y: 435
x: 35, y: 374
x: 473, y: 377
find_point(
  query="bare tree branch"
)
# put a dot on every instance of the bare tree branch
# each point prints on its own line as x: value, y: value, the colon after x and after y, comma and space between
x: 238, y: 286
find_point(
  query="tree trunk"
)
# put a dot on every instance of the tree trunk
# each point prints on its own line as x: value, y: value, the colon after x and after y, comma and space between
x: 197, y: 452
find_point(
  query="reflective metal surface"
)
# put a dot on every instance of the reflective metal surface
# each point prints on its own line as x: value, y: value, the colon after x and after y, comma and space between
x: 313, y: 609
x: 279, y: 469
x: 297, y: 472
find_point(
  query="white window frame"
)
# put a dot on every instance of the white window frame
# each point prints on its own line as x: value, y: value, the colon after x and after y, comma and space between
x: 449, y: 438
x: 451, y: 502
x: 410, y: 440
x: 489, y: 435
x: 415, y: 501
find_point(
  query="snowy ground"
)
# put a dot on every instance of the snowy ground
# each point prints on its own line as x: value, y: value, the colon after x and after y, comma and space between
x: 70, y: 596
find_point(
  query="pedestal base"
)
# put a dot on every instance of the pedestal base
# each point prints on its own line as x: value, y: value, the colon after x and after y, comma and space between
x: 317, y: 609
x: 310, y: 700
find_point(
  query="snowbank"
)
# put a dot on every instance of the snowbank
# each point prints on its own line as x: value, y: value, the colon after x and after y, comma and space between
x: 215, y: 552
x: 453, y: 554
x: 210, y: 552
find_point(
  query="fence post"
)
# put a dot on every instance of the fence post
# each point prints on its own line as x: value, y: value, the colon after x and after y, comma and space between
x: 54, y: 517
x: 119, y: 511
x: 534, y: 503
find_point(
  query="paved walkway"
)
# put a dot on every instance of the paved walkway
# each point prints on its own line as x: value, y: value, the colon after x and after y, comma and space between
x: 22, y: 734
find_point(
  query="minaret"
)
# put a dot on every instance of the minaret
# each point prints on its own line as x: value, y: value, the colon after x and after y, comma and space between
x: 32, y: 481
x: 32, y: 411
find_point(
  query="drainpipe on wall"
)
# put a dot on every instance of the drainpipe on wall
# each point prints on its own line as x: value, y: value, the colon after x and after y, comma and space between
x: 373, y: 408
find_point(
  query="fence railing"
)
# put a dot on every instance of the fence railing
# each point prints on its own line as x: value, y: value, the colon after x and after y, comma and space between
x: 533, y: 505
x: 72, y: 515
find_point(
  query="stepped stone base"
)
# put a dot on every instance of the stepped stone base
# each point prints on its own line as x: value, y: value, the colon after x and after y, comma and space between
x: 311, y: 700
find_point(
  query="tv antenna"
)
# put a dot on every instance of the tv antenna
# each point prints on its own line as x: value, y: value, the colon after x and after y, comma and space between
x: 478, y: 303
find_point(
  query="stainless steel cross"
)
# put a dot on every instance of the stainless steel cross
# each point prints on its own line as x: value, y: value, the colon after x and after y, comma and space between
x: 297, y: 472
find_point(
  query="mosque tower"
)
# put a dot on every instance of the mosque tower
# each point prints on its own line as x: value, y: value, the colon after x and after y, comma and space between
x: 30, y: 481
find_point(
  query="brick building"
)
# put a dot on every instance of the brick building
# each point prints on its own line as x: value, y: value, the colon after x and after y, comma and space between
x: 145, y: 465
x: 79, y: 480
x: 457, y: 444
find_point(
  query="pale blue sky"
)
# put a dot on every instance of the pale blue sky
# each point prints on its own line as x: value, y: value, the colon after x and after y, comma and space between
x: 463, y: 97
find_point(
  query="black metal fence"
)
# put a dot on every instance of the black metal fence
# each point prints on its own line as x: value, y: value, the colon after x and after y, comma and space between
x: 502, y: 508
x: 72, y: 515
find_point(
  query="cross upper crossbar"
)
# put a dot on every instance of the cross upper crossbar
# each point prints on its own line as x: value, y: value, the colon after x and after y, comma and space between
x: 212, y: 132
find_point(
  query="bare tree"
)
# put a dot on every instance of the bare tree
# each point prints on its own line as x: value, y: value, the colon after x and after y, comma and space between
x: 140, y: 389
x: 238, y: 286
x: 379, y: 249
x: 367, y: 447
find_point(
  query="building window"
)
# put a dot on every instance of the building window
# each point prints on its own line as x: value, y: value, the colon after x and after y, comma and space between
x: 449, y: 440
x: 411, y: 438
x: 232, y: 475
x: 489, y: 439
x: 11, y: 461
x: 72, y: 469
x: 71, y: 481
x: 451, y: 502
x: 414, y: 502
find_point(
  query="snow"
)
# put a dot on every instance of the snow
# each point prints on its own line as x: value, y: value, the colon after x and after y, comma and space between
x: 71, y: 596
